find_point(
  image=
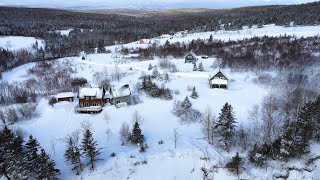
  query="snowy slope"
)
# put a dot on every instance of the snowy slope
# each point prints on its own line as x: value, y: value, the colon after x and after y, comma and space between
x: 162, y: 161
x: 15, y: 43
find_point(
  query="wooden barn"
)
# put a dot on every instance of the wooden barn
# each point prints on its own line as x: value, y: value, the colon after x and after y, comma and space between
x: 219, y: 80
x: 65, y: 96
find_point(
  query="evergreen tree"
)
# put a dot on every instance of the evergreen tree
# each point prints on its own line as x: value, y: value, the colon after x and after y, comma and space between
x: 225, y: 126
x: 46, y: 167
x: 316, y: 133
x: 186, y: 104
x: 304, y: 128
x: 31, y: 151
x: 12, y: 161
x: 89, y: 148
x: 136, y: 135
x: 257, y: 155
x: 286, y: 143
x: 194, y: 93
x: 200, y: 67
x: 236, y: 165
x: 210, y: 41
x: 150, y: 67
x: 166, y: 77
x: 73, y: 156
x: 195, y: 67
x: 101, y: 48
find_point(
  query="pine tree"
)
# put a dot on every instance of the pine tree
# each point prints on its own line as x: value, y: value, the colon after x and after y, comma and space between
x: 225, y: 126
x: 194, y: 93
x: 257, y: 156
x: 89, y: 148
x: 12, y: 161
x: 186, y: 104
x: 166, y: 77
x: 236, y: 165
x: 46, y: 167
x: 210, y: 39
x: 316, y: 133
x: 286, y: 142
x: 200, y: 67
x: 31, y: 150
x: 136, y: 135
x: 195, y: 67
x: 150, y: 67
x: 73, y: 156
x: 304, y: 128
x: 101, y: 47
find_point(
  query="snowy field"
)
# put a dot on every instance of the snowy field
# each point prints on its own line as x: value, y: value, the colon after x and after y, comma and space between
x: 269, y: 30
x: 163, y: 161
x: 15, y: 43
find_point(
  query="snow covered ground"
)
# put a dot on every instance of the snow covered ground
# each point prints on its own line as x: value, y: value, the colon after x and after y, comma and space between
x: 163, y: 161
x: 15, y: 43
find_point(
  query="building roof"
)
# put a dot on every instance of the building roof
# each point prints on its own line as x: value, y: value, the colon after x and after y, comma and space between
x: 91, y: 91
x: 192, y: 54
x: 219, y: 75
x: 121, y: 91
x: 219, y: 81
x: 65, y: 95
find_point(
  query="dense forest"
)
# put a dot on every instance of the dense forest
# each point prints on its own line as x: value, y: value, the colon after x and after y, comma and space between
x: 91, y: 30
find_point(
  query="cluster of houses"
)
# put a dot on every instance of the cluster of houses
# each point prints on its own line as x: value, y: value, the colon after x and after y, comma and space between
x: 92, y: 99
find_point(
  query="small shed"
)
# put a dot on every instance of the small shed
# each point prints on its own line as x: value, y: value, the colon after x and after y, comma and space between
x: 191, y: 57
x: 65, y: 96
x: 219, y: 80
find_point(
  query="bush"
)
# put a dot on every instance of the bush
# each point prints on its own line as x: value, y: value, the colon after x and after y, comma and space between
x: 53, y: 101
x: 112, y: 154
x: 28, y: 111
x: 12, y: 116
x: 236, y: 165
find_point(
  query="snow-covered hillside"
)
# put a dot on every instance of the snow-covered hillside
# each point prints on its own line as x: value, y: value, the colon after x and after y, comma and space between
x: 15, y: 43
x: 160, y: 161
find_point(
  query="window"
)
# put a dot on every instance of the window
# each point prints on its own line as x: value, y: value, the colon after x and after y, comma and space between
x: 93, y: 104
x: 85, y: 104
x: 87, y: 98
x: 92, y: 98
x: 118, y: 101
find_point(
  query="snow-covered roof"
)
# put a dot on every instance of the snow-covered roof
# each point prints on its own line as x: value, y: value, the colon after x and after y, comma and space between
x: 219, y: 74
x: 121, y: 91
x: 192, y: 54
x: 65, y: 95
x: 107, y: 95
x: 91, y: 91
x: 219, y: 81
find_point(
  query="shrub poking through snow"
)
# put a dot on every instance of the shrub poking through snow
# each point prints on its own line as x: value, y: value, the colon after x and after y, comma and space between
x: 53, y: 101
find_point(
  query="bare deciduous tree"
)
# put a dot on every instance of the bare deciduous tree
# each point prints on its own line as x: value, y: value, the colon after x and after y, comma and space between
x: 109, y: 134
x: 124, y: 133
x: 269, y: 111
x: 175, y: 137
x: 208, y: 125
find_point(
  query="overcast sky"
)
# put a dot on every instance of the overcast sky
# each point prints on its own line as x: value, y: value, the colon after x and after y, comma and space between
x: 148, y: 3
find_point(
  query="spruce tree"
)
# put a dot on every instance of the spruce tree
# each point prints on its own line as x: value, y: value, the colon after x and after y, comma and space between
x: 155, y: 72
x: 12, y: 161
x: 31, y: 151
x: 316, y: 133
x: 73, y: 156
x: 136, y: 135
x: 150, y: 67
x: 89, y: 148
x: 194, y: 93
x: 46, y: 167
x: 304, y: 128
x: 286, y: 143
x: 226, y: 126
x: 200, y: 67
x: 186, y: 104
x: 195, y: 67
x: 236, y: 165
